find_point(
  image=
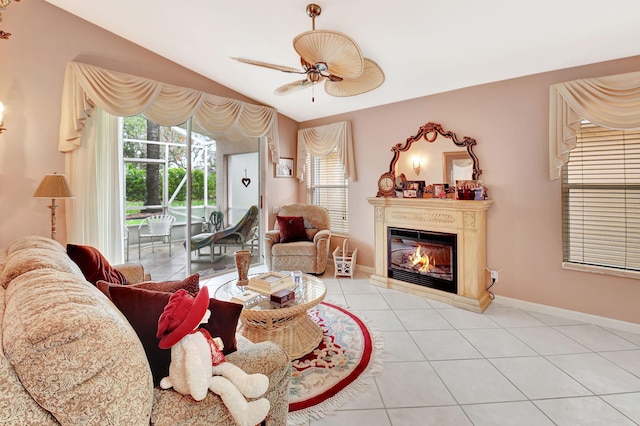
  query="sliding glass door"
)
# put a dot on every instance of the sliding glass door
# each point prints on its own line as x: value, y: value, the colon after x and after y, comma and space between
x: 156, y: 160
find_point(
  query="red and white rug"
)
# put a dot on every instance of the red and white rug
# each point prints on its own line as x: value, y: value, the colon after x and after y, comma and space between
x: 333, y: 373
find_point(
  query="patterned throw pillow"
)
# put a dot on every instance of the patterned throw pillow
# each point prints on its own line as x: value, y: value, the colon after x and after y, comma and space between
x: 94, y: 265
x: 191, y: 284
x: 291, y: 229
x: 143, y: 309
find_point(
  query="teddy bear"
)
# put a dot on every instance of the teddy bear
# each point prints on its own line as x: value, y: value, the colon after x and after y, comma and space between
x: 198, y: 364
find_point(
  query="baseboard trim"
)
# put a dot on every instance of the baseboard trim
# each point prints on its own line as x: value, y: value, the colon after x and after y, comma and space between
x: 369, y: 270
x: 566, y: 313
x: 366, y: 269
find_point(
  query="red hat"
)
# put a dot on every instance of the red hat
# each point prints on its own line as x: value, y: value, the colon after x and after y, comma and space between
x: 181, y: 316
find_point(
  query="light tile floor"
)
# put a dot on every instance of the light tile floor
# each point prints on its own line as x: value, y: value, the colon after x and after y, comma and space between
x: 447, y: 366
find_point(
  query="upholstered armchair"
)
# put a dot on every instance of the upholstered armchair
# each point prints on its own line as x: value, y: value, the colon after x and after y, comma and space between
x: 300, y: 239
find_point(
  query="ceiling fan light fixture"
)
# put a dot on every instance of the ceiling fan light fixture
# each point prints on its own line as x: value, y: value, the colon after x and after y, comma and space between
x: 321, y: 67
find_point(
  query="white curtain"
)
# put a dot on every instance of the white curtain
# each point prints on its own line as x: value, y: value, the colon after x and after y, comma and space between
x: 96, y: 219
x: 320, y: 141
x: 612, y: 102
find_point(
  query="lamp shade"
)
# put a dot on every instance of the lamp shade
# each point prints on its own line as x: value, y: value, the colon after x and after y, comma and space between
x: 53, y: 186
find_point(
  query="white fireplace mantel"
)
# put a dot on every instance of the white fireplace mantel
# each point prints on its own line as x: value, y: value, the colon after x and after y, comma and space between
x: 466, y: 219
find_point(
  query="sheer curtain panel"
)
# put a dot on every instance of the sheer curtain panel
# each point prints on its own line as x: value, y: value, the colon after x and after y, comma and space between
x: 94, y: 170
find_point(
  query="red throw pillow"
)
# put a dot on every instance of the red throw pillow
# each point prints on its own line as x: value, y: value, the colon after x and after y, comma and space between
x: 224, y: 322
x: 94, y: 265
x: 291, y: 229
x: 143, y: 308
x: 191, y: 284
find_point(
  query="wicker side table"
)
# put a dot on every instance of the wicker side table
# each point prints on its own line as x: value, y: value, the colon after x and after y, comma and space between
x: 288, y: 326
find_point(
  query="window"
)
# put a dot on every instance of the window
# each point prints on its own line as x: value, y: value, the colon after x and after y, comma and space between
x: 155, y: 163
x: 327, y: 186
x: 601, y: 199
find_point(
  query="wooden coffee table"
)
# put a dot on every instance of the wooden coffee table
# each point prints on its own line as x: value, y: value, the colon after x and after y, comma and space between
x: 288, y: 326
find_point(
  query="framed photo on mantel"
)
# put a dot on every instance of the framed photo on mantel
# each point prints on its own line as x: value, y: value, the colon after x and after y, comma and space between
x: 439, y: 190
x: 413, y: 189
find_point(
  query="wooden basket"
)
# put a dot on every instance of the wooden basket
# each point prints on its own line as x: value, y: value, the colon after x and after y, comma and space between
x: 344, y: 260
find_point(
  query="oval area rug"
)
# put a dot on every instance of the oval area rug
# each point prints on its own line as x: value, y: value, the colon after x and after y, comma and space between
x: 333, y: 373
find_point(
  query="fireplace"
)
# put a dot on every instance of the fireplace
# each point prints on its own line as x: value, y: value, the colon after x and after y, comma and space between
x: 423, y: 257
x: 452, y: 231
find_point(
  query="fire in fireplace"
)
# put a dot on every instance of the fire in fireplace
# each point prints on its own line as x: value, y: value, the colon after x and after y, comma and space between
x: 423, y: 257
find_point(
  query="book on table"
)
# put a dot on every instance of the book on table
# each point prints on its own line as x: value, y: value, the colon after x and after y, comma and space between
x: 245, y: 296
x: 270, y: 282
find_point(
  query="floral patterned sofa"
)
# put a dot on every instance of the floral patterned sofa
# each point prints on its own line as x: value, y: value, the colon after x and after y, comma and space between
x: 69, y: 356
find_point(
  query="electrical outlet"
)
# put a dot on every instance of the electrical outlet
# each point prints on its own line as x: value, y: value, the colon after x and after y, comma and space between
x: 494, y: 276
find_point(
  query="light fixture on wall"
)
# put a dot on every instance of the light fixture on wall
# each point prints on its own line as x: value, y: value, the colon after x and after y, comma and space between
x: 3, y: 6
x: 416, y: 166
x: 2, y: 129
x: 53, y: 186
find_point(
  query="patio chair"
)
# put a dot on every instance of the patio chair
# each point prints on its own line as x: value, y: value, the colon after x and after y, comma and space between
x: 216, y: 221
x: 241, y: 234
x: 202, y: 240
x: 156, y: 227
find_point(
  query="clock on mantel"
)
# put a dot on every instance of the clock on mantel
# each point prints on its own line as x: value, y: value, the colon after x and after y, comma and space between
x: 386, y: 185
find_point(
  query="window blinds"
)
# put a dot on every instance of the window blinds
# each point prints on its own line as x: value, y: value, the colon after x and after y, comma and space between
x: 327, y: 186
x: 601, y: 199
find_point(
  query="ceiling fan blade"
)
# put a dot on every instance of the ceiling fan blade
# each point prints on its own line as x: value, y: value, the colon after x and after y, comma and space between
x: 341, y: 54
x: 271, y: 66
x: 371, y: 78
x: 293, y: 87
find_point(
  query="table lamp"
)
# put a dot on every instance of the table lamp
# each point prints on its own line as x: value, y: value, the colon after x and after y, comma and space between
x: 53, y: 186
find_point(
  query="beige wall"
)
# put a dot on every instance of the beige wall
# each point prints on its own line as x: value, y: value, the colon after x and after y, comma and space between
x: 508, y: 119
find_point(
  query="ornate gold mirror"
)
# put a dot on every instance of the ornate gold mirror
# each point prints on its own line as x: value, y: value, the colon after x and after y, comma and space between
x: 434, y: 163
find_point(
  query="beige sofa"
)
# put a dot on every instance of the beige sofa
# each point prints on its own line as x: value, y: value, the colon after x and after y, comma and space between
x: 69, y: 356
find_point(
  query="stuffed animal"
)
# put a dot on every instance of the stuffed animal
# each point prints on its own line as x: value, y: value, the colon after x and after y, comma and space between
x: 198, y: 364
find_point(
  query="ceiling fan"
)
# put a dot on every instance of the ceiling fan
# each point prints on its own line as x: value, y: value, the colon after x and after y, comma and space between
x: 330, y: 57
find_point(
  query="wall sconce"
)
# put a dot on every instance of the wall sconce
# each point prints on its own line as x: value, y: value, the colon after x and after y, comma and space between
x: 3, y: 6
x: 416, y: 166
x: 53, y: 186
x: 2, y: 129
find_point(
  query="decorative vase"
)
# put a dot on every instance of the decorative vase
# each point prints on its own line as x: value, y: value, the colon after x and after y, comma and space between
x: 243, y: 260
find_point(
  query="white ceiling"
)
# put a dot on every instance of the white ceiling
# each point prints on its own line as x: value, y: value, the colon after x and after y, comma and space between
x: 423, y: 46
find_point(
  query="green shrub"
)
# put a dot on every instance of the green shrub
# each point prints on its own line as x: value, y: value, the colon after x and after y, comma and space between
x: 136, y: 184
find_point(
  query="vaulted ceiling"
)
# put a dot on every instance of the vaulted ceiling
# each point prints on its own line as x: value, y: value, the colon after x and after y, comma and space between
x: 423, y: 46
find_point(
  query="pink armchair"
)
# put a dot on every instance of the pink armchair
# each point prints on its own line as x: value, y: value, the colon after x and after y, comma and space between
x: 308, y: 255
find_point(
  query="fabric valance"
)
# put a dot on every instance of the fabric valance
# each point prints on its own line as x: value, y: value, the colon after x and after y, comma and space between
x: 119, y: 94
x: 320, y: 141
x: 612, y: 102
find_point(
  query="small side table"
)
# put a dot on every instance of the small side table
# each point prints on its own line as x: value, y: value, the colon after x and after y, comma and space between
x: 288, y: 326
